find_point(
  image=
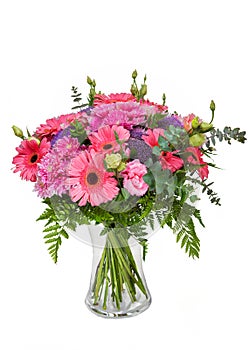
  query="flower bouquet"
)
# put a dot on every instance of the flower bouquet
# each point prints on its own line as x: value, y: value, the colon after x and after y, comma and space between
x: 120, y: 167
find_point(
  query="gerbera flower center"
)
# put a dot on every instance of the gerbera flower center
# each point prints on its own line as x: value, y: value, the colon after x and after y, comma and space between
x: 34, y: 158
x: 92, y: 178
x: 107, y: 146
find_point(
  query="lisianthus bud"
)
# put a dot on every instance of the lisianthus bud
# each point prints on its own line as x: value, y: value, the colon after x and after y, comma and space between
x: 195, y: 123
x: 134, y: 90
x: 197, y: 140
x: 113, y: 160
x: 164, y: 99
x: 143, y: 90
x: 35, y: 139
x: 134, y: 74
x: 206, y: 126
x: 17, y: 131
x: 212, y: 106
x: 89, y: 80
x: 94, y: 83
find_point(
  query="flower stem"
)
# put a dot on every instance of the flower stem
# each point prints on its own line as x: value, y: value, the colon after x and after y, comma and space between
x: 116, y: 272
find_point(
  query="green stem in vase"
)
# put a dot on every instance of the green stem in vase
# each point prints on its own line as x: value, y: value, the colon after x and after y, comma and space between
x: 116, y: 271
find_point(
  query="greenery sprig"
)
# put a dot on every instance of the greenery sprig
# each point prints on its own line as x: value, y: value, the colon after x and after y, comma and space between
x: 53, y: 230
x: 227, y: 134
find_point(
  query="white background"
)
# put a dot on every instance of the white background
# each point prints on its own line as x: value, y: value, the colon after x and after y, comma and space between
x: 194, y: 51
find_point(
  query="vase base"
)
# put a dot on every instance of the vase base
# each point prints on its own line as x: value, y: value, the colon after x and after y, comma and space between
x: 134, y: 309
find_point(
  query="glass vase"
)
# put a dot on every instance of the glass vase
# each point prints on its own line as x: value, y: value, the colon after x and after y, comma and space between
x: 118, y: 287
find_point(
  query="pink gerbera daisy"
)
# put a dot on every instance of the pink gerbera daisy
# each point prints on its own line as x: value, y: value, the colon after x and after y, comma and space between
x: 112, y: 98
x: 89, y: 181
x: 104, y: 139
x: 54, y: 125
x: 30, y: 153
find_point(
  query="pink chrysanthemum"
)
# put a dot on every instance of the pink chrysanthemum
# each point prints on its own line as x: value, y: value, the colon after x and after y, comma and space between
x: 112, y: 98
x: 169, y: 161
x: 54, y: 125
x: 126, y: 114
x: 30, y: 153
x: 89, y: 181
x: 104, y: 140
x: 133, y: 178
x: 52, y: 172
x: 196, y: 158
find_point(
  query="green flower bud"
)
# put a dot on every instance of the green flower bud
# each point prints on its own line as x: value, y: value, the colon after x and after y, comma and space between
x: 35, y: 139
x: 134, y: 74
x: 143, y: 90
x: 212, y: 106
x: 89, y: 80
x: 195, y: 123
x: 134, y: 90
x: 206, y: 126
x: 18, y: 132
x: 112, y: 160
x: 197, y: 140
x: 94, y: 83
x: 164, y: 99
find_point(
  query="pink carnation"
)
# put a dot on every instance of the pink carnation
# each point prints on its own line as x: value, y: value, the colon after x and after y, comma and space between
x: 133, y: 178
x: 152, y: 136
x: 171, y: 162
x: 196, y: 158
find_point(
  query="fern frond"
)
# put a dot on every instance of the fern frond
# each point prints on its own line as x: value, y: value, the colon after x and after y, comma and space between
x: 54, y: 231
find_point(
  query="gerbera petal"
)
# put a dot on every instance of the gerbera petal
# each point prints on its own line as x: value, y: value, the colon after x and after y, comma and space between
x: 92, y: 182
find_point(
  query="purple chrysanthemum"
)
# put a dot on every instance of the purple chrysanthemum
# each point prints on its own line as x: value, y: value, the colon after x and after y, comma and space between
x: 52, y: 171
x: 170, y: 120
x: 139, y: 150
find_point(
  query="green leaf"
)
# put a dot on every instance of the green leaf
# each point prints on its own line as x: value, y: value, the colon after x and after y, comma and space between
x: 52, y: 228
x: 156, y: 150
x: 163, y: 143
x: 53, y: 238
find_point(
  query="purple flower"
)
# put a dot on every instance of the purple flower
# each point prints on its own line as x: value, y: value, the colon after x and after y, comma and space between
x: 139, y: 150
x: 60, y: 135
x: 137, y: 132
x: 170, y: 120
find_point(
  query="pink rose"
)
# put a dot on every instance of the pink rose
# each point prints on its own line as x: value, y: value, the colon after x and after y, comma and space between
x: 133, y: 178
